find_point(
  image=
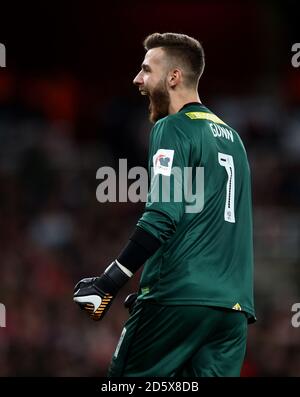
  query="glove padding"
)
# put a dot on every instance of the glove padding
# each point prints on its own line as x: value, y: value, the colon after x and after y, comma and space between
x: 91, y: 298
x: 95, y: 294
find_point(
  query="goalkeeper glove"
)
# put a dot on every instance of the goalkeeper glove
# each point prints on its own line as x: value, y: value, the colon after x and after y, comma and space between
x: 95, y: 294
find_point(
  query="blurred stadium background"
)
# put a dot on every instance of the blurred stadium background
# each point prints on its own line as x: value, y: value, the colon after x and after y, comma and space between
x: 68, y: 107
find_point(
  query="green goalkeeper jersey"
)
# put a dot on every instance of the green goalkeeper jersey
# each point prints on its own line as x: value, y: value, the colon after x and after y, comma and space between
x: 202, y: 214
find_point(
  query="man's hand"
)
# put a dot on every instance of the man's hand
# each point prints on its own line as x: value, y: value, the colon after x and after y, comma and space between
x: 91, y: 298
x: 130, y: 301
x: 95, y: 294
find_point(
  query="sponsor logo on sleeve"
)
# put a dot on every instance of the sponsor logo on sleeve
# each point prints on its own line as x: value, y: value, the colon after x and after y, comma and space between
x: 162, y: 162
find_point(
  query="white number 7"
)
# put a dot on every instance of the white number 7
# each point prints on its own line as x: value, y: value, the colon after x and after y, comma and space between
x: 225, y: 160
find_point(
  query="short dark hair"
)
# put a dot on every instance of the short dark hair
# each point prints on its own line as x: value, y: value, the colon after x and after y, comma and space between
x: 184, y: 49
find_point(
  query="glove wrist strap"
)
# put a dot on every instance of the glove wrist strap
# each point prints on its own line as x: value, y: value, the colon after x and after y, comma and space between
x: 113, y: 278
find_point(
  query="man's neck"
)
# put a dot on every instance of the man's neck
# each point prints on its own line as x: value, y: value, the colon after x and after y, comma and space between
x: 177, y: 102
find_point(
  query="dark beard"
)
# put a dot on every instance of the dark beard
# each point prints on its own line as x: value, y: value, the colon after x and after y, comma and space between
x: 159, y: 103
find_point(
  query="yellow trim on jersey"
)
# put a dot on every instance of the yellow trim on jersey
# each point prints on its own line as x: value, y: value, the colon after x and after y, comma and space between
x: 204, y: 116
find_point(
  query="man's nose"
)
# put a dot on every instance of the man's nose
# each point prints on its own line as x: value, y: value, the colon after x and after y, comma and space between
x: 138, y: 80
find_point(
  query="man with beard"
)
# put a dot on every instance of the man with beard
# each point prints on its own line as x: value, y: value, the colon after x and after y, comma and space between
x: 196, y: 290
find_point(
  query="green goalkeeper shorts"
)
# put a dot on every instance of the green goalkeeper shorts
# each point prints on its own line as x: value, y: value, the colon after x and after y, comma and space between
x: 177, y: 341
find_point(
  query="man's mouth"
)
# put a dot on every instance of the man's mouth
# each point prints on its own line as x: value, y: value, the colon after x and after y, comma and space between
x: 144, y: 92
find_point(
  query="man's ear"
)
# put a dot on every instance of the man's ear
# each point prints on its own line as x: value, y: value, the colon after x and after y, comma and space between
x: 174, y: 77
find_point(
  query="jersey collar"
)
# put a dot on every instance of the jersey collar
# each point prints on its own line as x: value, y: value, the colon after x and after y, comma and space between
x: 191, y: 104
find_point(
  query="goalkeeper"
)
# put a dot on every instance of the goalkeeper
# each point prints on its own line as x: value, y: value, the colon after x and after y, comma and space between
x: 195, y: 299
